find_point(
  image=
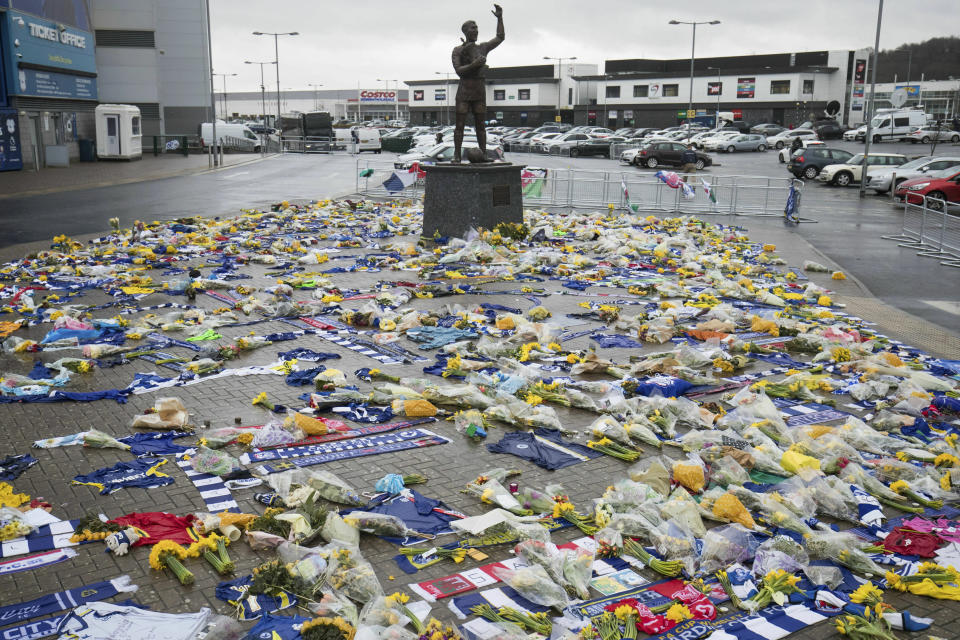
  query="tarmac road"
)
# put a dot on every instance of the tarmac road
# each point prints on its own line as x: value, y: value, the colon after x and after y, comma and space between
x: 849, y: 229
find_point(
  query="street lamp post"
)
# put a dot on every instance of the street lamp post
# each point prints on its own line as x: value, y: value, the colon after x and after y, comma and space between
x: 559, y: 78
x: 446, y: 96
x: 276, y: 57
x: 693, y: 49
x: 873, y: 92
x: 224, y: 76
x: 263, y: 105
x: 316, y: 95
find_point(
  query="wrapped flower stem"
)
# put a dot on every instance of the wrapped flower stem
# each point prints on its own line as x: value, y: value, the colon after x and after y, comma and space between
x: 669, y: 568
x: 902, y: 488
x: 167, y: 554
x: 777, y: 585
x: 414, y: 478
x: 607, y: 626
x: 724, y: 581
x: 457, y: 554
x: 400, y: 599
x: 628, y: 616
x: 535, y: 622
x: 611, y: 448
x: 369, y: 375
x: 222, y: 550
x: 871, y: 625
x: 568, y: 512
x: 894, y: 503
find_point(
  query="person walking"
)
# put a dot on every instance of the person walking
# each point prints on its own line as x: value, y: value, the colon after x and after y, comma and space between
x: 796, y: 144
x: 355, y: 138
x: 689, y: 159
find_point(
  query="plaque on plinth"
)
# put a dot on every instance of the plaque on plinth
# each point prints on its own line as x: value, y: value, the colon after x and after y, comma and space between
x: 478, y: 195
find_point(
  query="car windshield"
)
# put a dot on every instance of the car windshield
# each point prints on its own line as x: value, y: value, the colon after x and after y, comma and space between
x: 855, y: 160
x: 943, y: 174
x: 913, y: 164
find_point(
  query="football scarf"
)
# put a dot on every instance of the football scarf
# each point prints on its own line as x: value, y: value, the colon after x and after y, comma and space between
x: 320, y: 449
x: 51, y: 603
x: 251, y: 607
x: 214, y: 491
x: 277, y: 627
x: 38, y: 560
x: 136, y: 473
x: 347, y: 434
x: 49, y: 536
x: 105, y: 620
x: 12, y: 466
x: 426, y: 439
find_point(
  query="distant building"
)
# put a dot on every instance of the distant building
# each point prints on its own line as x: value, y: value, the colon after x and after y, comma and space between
x: 153, y: 54
x: 343, y: 104
x: 939, y: 98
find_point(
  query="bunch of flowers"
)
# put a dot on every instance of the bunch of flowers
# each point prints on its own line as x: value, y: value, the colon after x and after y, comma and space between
x: 214, y: 550
x: 457, y: 554
x: 724, y: 579
x: 669, y: 568
x: 271, y: 578
x: 325, y: 628
x: 777, y: 585
x: 91, y: 527
x: 614, y: 449
x: 552, y: 392
x: 400, y: 600
x: 369, y: 375
x: 870, y: 626
x: 678, y: 612
x: 567, y: 511
x: 902, y: 488
x: 931, y: 580
x: 167, y: 554
x: 533, y: 622
x: 436, y: 631
x: 353, y: 576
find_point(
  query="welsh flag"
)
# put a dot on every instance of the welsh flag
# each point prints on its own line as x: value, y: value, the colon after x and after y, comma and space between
x: 709, y: 191
x: 626, y: 196
x: 532, y: 181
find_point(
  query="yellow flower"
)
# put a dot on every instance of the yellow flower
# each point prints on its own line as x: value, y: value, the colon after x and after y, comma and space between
x: 840, y: 354
x: 899, y: 486
x: 678, y: 613
x: 262, y: 397
x: 946, y: 459
x: 245, y: 438
x: 533, y: 399
x: 894, y: 581
x: 824, y: 301
x: 868, y: 594
x: 838, y: 275
x: 623, y: 612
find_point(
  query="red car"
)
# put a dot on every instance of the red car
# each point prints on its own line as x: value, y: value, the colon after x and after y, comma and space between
x: 944, y: 185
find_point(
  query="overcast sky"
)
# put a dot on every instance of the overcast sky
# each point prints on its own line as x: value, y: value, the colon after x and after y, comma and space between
x: 343, y: 43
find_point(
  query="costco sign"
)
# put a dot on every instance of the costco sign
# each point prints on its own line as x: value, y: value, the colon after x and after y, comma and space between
x: 378, y: 96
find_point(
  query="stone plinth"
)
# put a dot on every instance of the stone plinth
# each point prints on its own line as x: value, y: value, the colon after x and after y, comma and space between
x: 460, y: 196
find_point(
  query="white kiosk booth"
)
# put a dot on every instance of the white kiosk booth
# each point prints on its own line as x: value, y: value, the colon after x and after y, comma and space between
x: 118, y: 131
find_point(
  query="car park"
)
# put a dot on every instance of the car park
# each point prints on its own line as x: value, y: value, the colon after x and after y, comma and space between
x: 828, y: 129
x: 442, y: 152
x: 928, y: 133
x: 740, y: 142
x: 667, y: 153
x: 807, y: 163
x: 851, y: 171
x: 943, y: 186
x: 786, y: 138
x: 880, y: 180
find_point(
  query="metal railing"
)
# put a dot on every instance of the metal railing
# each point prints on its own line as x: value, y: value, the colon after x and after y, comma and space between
x: 932, y: 227
x: 309, y: 144
x: 576, y: 188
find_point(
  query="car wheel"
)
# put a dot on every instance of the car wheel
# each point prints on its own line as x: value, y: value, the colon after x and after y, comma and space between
x: 955, y: 139
x: 811, y: 172
x: 925, y: 139
x: 780, y: 158
x: 731, y: 149
x: 574, y: 153
x: 933, y: 203
x: 779, y: 144
x: 652, y: 163
x: 843, y: 179
x: 762, y: 147
x: 700, y: 164
x: 876, y: 139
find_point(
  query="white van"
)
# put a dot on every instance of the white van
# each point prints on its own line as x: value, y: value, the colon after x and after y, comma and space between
x: 890, y: 125
x: 369, y: 139
x: 230, y: 135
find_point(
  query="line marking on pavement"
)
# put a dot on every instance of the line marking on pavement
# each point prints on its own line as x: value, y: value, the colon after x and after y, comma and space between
x: 950, y: 306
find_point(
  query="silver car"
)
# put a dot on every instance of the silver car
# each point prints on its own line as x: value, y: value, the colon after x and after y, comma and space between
x: 880, y: 180
x: 742, y: 142
x: 930, y: 133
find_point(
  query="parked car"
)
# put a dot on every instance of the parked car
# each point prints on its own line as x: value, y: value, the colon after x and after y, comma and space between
x: 442, y: 152
x: 851, y: 171
x: 668, y: 153
x: 595, y: 146
x: 828, y: 129
x: 540, y: 142
x: 923, y: 167
x: 629, y: 156
x: 767, y: 129
x: 944, y: 185
x: 807, y: 163
x: 931, y: 132
x: 718, y: 138
x: 741, y: 142
x: 564, y: 140
x: 786, y: 153
x: 739, y: 125
x: 786, y: 138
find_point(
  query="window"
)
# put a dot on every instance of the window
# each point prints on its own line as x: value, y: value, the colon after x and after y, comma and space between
x: 112, y: 126
x: 570, y: 95
x: 249, y: 135
x: 499, y: 94
x: 901, y: 122
x: 641, y: 90
x: 135, y: 125
x: 779, y: 87
x: 613, y: 92
x: 523, y: 94
x: 808, y: 86
x: 439, y: 95
x: 671, y: 90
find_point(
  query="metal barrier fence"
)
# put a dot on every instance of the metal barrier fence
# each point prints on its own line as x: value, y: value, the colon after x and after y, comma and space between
x: 627, y: 190
x: 309, y: 144
x: 932, y: 227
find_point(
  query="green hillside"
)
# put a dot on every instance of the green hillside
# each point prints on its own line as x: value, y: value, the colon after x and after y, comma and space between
x: 937, y: 59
